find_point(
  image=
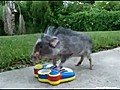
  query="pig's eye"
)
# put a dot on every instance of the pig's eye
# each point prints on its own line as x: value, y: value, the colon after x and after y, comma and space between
x: 39, y: 45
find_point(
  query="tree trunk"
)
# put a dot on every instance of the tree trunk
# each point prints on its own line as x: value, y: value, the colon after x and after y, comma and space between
x: 9, y: 17
x: 5, y: 19
x: 22, y: 29
x: 21, y: 24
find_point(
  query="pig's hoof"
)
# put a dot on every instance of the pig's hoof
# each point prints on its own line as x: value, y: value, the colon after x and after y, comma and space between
x: 63, y: 70
x: 91, y: 68
x: 61, y: 67
x: 76, y: 64
x: 53, y: 67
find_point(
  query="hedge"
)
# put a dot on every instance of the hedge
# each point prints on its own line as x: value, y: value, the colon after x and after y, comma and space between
x: 91, y: 21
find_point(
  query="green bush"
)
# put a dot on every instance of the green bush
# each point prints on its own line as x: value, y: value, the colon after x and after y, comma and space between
x: 19, y: 47
x: 36, y: 14
x: 108, y: 5
x: 80, y: 17
x: 1, y: 8
x: 91, y: 21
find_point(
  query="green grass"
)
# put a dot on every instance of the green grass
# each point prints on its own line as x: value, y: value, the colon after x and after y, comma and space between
x: 103, y: 40
x: 16, y: 50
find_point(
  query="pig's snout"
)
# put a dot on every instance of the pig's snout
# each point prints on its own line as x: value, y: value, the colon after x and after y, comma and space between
x: 34, y: 57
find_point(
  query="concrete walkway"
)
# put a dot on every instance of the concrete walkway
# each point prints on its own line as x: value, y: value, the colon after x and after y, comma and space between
x: 105, y: 74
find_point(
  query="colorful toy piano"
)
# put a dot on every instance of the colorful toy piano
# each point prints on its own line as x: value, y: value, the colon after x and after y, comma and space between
x: 47, y: 73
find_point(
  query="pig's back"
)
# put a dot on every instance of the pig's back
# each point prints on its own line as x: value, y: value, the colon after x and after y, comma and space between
x: 68, y: 32
x: 73, y: 41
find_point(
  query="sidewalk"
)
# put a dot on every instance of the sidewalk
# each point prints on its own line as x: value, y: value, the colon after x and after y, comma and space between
x: 105, y: 74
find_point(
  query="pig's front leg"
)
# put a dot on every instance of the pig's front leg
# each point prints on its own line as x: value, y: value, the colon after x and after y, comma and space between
x: 54, y: 62
x: 63, y: 59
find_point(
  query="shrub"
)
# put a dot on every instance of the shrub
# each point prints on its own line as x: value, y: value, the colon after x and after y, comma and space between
x: 91, y: 21
x: 37, y: 17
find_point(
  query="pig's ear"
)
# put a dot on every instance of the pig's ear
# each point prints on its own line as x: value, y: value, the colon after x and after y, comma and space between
x: 54, y: 41
x: 50, y: 30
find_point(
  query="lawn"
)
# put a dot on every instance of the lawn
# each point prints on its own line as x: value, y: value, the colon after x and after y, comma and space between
x: 16, y: 50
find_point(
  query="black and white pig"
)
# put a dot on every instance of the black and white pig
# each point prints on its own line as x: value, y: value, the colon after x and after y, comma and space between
x: 62, y: 43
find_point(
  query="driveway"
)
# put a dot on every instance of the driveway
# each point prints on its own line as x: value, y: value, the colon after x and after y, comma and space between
x: 105, y: 73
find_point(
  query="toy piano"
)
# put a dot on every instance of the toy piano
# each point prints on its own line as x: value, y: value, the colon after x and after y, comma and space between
x: 47, y: 73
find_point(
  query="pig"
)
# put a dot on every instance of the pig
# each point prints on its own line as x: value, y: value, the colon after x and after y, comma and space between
x: 62, y: 43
